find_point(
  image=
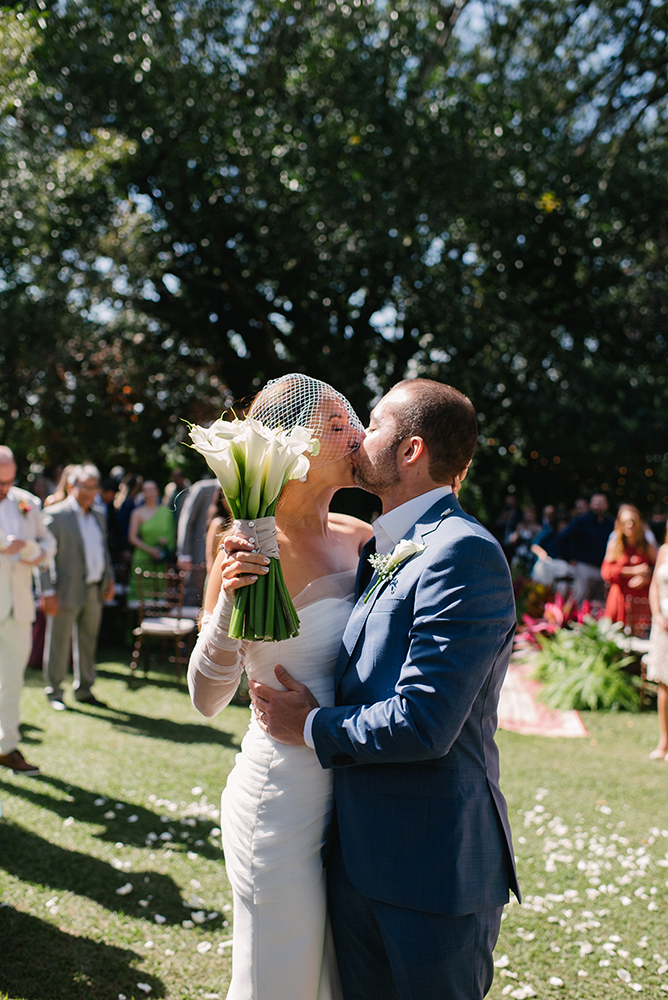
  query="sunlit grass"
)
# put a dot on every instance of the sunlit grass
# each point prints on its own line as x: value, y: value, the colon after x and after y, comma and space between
x: 130, y: 798
x: 590, y: 821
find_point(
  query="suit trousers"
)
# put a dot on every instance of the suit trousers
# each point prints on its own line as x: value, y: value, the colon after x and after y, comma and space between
x: 388, y: 952
x: 15, y: 640
x: 74, y: 629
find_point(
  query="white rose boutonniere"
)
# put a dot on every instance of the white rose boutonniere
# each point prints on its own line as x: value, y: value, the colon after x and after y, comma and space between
x: 387, y: 566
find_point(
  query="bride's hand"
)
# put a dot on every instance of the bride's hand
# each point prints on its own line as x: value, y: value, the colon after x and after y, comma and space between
x: 240, y: 564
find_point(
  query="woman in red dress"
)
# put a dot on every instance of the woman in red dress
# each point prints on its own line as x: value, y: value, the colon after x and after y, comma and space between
x: 627, y: 567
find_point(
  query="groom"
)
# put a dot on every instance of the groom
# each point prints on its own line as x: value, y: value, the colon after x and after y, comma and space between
x: 421, y: 856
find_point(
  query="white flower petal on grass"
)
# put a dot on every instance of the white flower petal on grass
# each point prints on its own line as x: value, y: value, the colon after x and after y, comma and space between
x: 159, y: 919
x: 556, y: 981
x: 187, y: 924
x: 639, y: 962
x: 109, y: 815
x: 133, y: 819
x: 199, y: 916
x: 625, y: 901
x: 99, y: 802
x: 144, y: 987
x: 523, y: 992
x: 69, y: 821
x: 662, y: 970
x: 203, y: 947
x: 604, y: 962
x: 502, y: 963
x: 192, y: 855
x: 582, y: 974
x: 624, y: 975
x: 636, y: 987
x: 148, y: 944
x: 125, y: 889
x: 223, y: 945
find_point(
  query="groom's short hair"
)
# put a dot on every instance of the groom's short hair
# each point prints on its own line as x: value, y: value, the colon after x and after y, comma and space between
x: 445, y: 420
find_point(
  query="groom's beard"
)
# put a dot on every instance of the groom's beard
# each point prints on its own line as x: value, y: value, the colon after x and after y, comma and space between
x: 382, y: 475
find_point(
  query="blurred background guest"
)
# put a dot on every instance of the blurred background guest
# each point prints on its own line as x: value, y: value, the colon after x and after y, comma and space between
x: 522, y: 538
x: 151, y: 532
x: 627, y: 567
x: 62, y: 489
x: 125, y: 502
x: 583, y: 544
x: 175, y: 495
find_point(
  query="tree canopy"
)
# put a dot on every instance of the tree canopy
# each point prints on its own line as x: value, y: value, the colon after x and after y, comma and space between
x: 200, y: 195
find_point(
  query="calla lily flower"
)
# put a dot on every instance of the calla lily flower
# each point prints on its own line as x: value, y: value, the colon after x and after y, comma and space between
x: 252, y: 464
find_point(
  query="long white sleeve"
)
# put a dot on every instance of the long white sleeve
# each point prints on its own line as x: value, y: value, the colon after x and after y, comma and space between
x: 217, y: 661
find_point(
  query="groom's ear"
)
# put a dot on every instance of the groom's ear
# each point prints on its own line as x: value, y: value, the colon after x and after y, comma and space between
x: 411, y: 450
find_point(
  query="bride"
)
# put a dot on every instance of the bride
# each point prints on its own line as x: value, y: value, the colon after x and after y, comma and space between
x: 276, y: 806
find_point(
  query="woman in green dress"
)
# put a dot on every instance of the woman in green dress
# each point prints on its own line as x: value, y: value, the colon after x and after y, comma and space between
x: 151, y: 532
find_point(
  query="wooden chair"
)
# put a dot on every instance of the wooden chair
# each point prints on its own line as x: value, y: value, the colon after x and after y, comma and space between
x: 160, y: 616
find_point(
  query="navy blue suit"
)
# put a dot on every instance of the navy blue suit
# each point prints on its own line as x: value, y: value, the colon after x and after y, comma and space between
x: 422, y: 823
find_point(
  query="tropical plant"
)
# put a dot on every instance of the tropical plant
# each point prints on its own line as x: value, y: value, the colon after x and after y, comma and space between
x: 583, y: 668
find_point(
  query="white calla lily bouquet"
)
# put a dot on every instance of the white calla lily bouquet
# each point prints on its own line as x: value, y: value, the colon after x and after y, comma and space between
x: 252, y: 463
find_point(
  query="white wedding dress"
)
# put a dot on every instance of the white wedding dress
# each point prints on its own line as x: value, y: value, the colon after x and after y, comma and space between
x: 275, y: 816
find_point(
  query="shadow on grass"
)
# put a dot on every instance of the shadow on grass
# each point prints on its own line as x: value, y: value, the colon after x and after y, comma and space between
x: 80, y: 804
x: 40, y: 961
x: 166, y: 729
x: 31, y: 858
x: 27, y: 730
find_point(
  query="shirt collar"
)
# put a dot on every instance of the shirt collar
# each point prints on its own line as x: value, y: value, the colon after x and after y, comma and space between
x: 390, y: 528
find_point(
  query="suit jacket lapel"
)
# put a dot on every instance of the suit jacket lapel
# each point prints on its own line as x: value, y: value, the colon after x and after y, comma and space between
x: 364, y: 568
x: 76, y: 532
x: 428, y: 523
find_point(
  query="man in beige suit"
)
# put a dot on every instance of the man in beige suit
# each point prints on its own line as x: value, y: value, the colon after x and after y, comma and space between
x: 24, y: 543
x: 75, y: 589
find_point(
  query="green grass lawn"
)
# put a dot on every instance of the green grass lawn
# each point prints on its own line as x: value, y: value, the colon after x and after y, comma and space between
x: 113, y: 882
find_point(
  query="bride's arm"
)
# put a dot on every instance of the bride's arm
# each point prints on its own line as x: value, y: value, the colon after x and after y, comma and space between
x: 217, y: 661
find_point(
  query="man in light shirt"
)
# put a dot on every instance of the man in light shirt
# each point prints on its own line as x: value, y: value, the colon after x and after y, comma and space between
x: 74, y: 589
x: 24, y: 544
x: 420, y: 855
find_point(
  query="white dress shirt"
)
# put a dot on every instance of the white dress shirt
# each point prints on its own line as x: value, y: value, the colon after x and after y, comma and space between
x: 389, y: 529
x: 10, y: 518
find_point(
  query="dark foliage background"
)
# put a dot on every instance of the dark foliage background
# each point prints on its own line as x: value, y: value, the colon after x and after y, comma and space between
x: 198, y: 196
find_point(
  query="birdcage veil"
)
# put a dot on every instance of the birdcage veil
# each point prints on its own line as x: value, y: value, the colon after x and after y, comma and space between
x: 299, y: 400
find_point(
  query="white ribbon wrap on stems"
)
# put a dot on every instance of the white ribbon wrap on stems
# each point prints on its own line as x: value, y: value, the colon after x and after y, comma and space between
x: 262, y: 533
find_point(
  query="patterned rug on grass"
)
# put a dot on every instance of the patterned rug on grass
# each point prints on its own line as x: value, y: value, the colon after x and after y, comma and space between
x: 520, y: 709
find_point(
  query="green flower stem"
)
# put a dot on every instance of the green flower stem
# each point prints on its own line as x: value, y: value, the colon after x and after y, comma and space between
x: 236, y: 630
x: 259, y: 611
x: 264, y: 611
x: 271, y: 598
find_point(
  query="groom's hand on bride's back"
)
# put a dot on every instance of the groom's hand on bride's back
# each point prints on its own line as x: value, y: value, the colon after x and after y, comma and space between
x: 282, y: 714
